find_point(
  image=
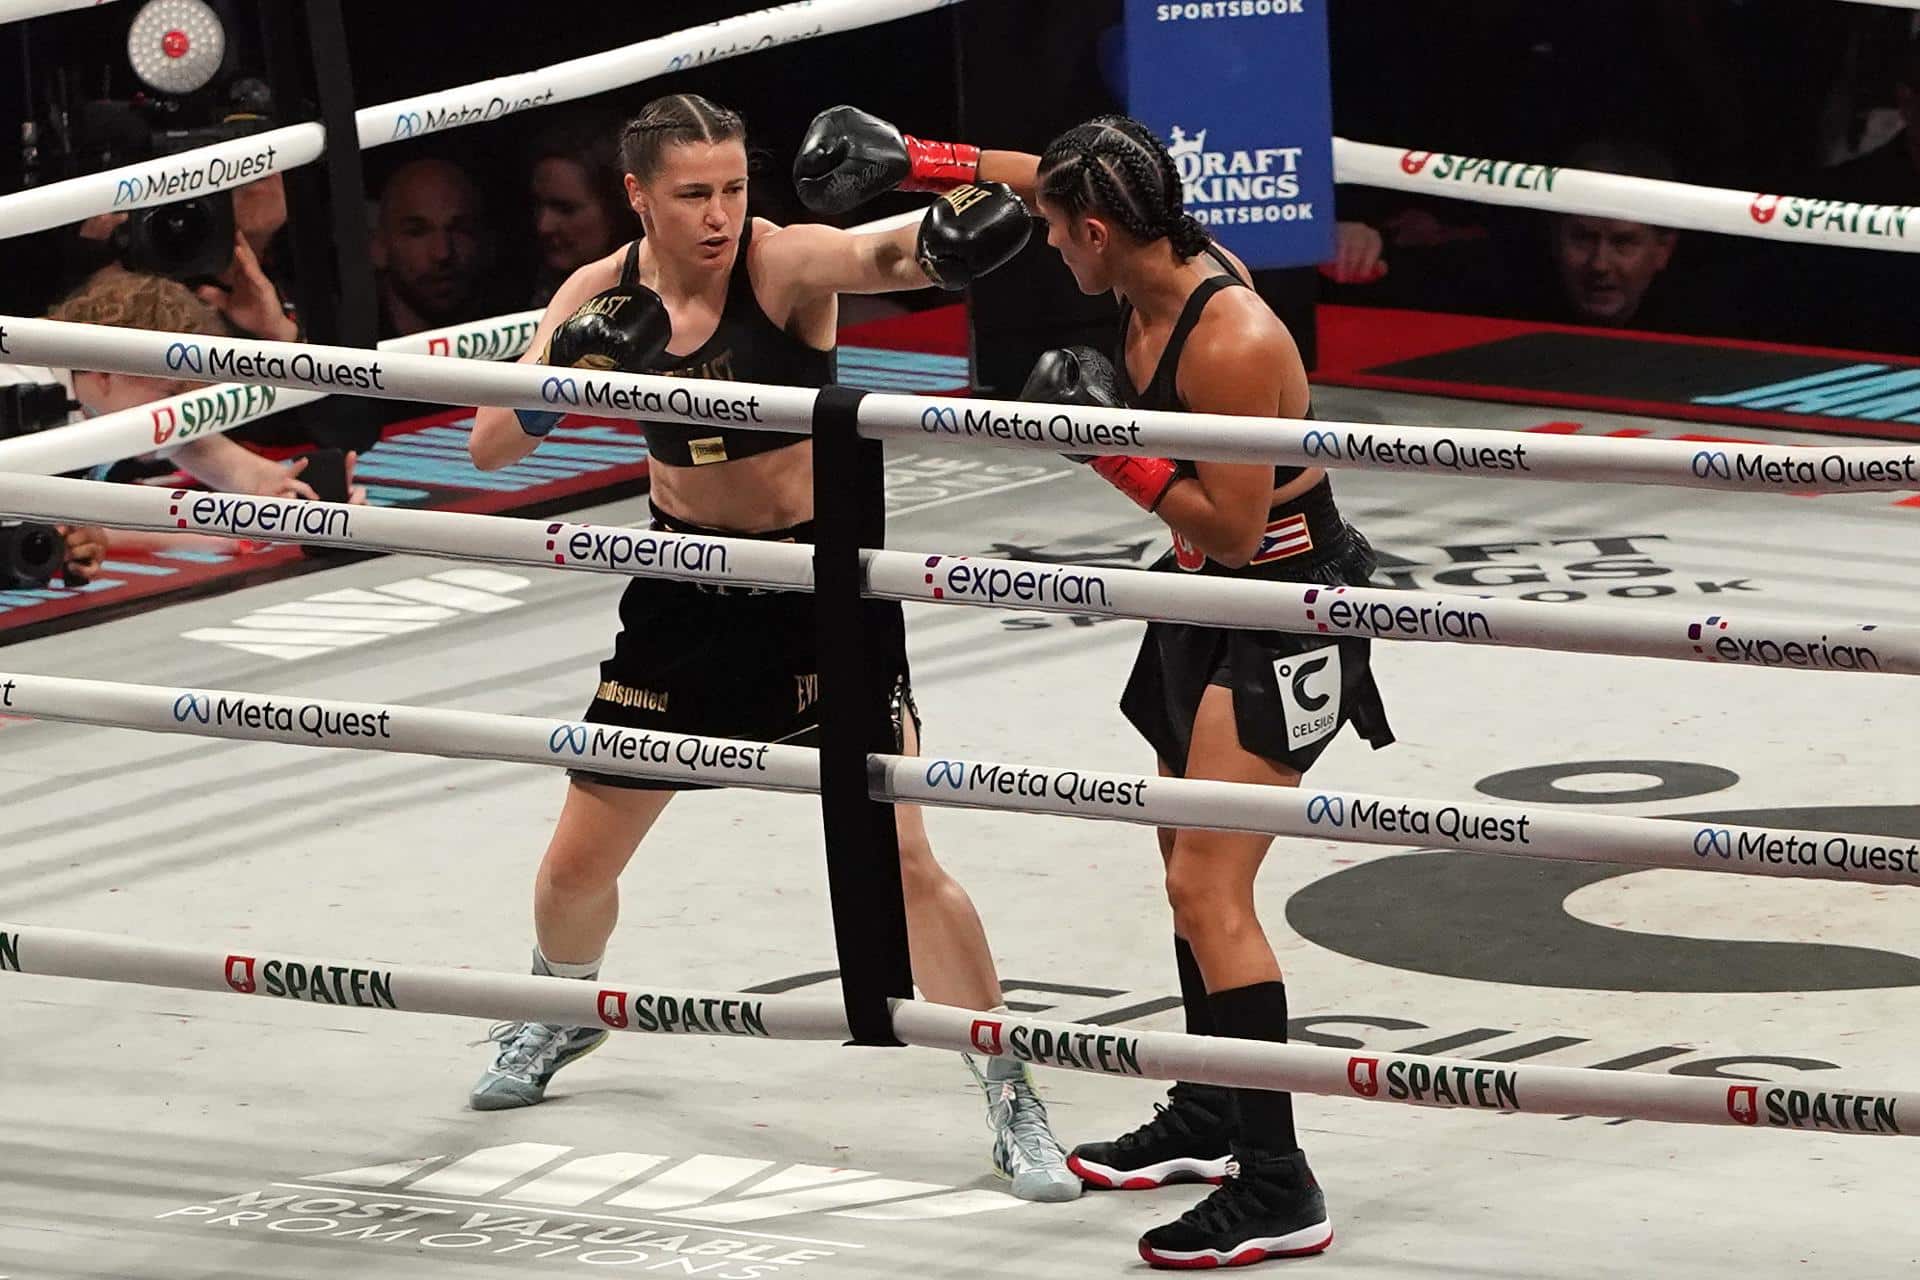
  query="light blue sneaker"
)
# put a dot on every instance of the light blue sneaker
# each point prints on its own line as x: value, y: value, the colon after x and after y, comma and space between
x: 1025, y: 1152
x: 530, y: 1052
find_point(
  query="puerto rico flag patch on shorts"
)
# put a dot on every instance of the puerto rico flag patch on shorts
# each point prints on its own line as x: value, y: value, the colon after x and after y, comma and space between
x: 1288, y: 536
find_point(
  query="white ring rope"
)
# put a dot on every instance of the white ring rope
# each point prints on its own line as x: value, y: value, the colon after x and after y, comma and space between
x: 1761, y: 215
x: 1047, y: 428
x: 1412, y: 1079
x: 221, y: 407
x: 928, y: 578
x: 1509, y: 830
x: 233, y: 163
x: 21, y: 10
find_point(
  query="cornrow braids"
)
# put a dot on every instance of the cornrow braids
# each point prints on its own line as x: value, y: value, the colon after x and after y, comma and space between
x: 677, y: 118
x: 1115, y: 164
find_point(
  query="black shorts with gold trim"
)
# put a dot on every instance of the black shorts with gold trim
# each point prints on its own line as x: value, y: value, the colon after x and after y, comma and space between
x: 1291, y: 691
x: 722, y: 662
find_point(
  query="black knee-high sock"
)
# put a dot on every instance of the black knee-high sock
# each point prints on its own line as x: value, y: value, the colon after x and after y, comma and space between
x: 1193, y: 990
x: 1258, y: 1012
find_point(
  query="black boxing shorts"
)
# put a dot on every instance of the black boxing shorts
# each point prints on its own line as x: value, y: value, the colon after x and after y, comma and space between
x: 1291, y: 692
x: 722, y: 662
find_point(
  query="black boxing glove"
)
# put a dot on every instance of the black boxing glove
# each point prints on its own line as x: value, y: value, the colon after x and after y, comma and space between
x: 849, y: 156
x: 622, y: 329
x: 969, y: 231
x: 1081, y: 375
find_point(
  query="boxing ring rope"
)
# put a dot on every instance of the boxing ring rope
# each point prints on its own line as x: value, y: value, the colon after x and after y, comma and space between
x: 930, y: 578
x: 1343, y: 816
x: 21, y: 10
x: 1048, y: 428
x: 221, y: 407
x: 1417, y: 1080
x: 223, y: 165
x: 1683, y: 205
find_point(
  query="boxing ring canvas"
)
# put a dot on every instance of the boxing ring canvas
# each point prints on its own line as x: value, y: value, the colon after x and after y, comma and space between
x: 168, y: 1133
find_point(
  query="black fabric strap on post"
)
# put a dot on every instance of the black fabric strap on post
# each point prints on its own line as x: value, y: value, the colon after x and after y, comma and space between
x: 306, y: 46
x: 862, y: 644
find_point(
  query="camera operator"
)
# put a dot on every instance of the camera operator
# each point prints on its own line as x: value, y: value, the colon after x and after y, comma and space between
x: 126, y: 299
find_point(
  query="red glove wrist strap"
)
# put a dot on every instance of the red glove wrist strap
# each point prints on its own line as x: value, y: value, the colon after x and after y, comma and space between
x: 939, y: 166
x: 1145, y: 480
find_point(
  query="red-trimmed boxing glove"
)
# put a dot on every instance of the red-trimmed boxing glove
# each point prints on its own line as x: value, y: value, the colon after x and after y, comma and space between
x: 848, y: 156
x: 1081, y: 375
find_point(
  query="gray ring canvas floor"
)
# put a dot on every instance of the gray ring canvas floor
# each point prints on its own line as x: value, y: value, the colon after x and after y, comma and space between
x: 150, y: 1133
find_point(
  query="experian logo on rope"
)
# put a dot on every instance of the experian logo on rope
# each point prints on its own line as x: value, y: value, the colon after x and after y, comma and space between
x: 996, y: 584
x: 1402, y: 621
x: 619, y: 550
x: 250, y: 517
x: 1806, y: 655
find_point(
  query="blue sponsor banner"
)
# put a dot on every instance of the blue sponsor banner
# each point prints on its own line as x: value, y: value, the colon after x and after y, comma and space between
x: 1239, y: 91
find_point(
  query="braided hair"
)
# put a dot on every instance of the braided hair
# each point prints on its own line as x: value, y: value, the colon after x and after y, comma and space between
x: 1114, y: 165
x: 677, y: 118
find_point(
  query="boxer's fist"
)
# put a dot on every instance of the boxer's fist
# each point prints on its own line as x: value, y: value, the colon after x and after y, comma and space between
x: 969, y: 231
x: 1073, y: 375
x: 846, y: 158
x: 622, y: 329
x: 1082, y: 376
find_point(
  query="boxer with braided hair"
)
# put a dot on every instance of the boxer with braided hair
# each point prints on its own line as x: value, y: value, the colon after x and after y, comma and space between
x: 1228, y: 705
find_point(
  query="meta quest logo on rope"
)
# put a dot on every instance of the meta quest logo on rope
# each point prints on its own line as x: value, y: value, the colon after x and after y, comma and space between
x: 1239, y: 91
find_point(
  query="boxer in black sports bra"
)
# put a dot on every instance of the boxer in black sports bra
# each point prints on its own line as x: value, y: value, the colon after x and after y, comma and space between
x: 712, y: 293
x: 1239, y: 706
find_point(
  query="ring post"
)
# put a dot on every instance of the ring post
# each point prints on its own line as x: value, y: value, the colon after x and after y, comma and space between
x: 855, y: 636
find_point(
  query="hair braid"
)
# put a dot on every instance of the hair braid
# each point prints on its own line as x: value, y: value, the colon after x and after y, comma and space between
x: 1115, y: 164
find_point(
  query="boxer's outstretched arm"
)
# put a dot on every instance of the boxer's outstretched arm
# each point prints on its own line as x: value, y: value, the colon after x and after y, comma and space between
x: 497, y: 439
x: 1015, y: 168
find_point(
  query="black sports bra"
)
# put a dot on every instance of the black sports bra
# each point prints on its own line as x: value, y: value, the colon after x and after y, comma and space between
x: 1163, y: 391
x: 745, y: 347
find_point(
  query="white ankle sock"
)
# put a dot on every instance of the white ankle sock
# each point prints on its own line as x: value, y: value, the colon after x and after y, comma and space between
x: 554, y: 969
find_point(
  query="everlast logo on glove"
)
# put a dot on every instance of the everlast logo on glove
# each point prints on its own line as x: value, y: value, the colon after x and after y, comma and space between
x: 969, y: 231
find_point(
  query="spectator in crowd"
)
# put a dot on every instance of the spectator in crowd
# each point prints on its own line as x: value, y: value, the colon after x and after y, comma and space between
x: 580, y: 209
x: 1561, y: 268
x: 431, y: 247
x: 125, y: 299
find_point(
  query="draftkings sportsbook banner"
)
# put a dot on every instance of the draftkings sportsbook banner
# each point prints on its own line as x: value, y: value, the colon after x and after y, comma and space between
x: 1239, y: 91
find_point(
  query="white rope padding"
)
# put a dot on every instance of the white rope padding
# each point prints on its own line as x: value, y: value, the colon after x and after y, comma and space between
x: 220, y: 407
x: 1156, y: 1055
x: 928, y: 578
x: 21, y: 10
x: 1045, y: 428
x: 1509, y: 830
x: 1757, y: 214
x: 229, y: 164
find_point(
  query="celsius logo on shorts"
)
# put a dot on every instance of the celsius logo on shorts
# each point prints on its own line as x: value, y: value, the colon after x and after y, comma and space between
x: 1309, y: 685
